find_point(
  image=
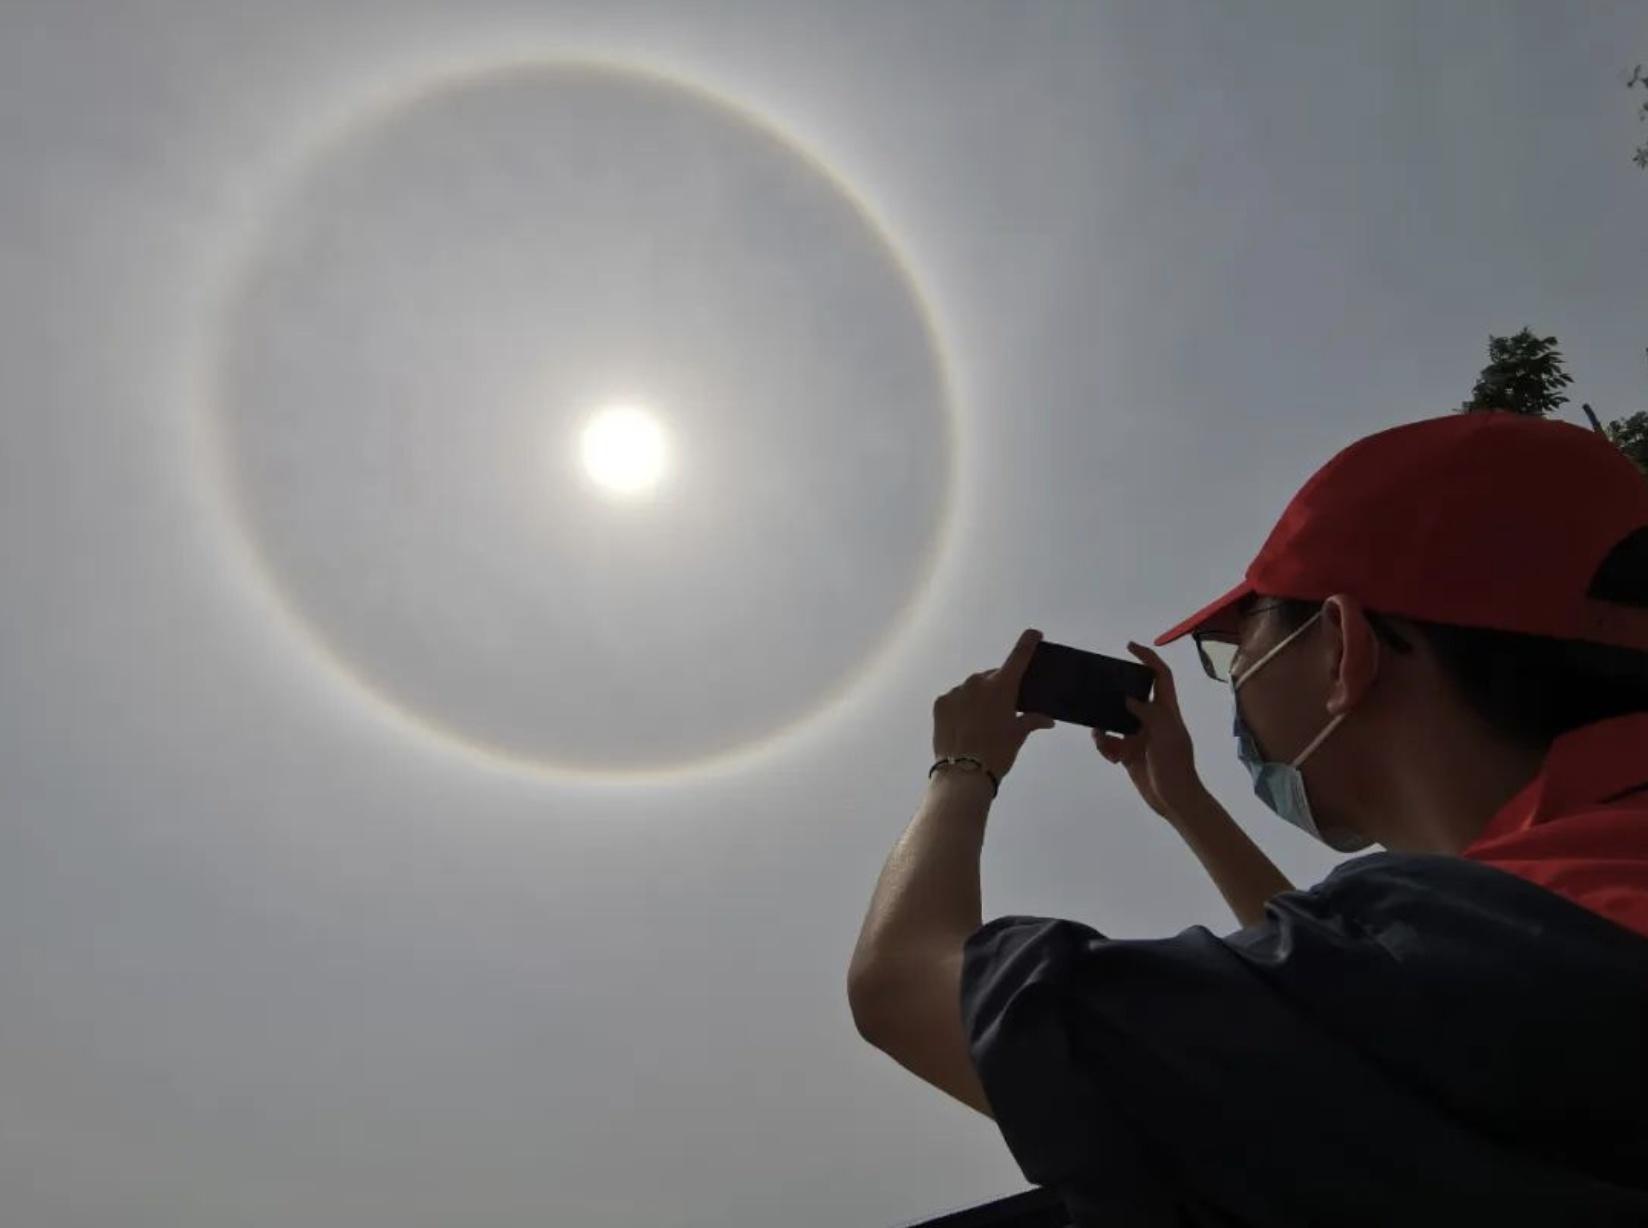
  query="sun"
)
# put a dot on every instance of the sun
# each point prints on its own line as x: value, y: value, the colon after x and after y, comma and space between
x: 623, y: 449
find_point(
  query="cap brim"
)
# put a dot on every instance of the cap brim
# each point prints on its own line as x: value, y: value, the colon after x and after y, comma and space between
x: 1220, y: 610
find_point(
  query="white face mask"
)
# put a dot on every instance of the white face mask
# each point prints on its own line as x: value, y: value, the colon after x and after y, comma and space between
x: 1281, y: 786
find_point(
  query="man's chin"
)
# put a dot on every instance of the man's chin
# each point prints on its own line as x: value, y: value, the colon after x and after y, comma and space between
x: 1344, y: 840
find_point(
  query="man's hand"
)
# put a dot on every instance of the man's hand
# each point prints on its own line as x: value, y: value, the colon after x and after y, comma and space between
x: 980, y: 717
x: 1160, y: 759
x: 1161, y: 762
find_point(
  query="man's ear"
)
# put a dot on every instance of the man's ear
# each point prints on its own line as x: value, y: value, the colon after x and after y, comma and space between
x: 1355, y: 648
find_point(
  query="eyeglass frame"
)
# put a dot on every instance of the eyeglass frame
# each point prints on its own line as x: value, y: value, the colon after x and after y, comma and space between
x: 1380, y: 628
x: 1221, y: 638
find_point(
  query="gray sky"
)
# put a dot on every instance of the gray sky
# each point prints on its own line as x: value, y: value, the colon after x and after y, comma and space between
x: 398, y: 830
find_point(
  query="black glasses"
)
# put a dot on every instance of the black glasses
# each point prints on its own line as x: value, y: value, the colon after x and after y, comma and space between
x: 1218, y: 649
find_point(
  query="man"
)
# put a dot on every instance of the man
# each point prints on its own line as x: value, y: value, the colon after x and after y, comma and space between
x: 1441, y: 648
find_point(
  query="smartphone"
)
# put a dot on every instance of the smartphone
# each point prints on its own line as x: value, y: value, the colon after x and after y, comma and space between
x: 1084, y: 688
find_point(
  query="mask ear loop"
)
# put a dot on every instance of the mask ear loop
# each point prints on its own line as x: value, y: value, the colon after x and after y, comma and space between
x: 1318, y: 739
x: 1286, y: 640
x: 1334, y: 723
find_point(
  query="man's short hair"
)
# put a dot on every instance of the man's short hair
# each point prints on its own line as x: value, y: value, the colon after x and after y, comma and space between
x: 1532, y: 688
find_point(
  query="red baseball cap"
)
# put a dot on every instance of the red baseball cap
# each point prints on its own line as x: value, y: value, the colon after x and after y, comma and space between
x: 1484, y: 519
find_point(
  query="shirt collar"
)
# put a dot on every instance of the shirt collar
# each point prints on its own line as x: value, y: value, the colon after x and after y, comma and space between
x: 1584, y: 767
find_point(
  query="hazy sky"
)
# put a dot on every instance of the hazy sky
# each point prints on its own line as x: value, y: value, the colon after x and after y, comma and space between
x: 398, y: 829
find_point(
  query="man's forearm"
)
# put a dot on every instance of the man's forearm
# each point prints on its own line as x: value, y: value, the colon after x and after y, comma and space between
x: 1243, y: 874
x: 928, y: 894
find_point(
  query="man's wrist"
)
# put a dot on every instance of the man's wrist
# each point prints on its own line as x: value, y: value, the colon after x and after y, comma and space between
x: 947, y: 776
x: 1196, y: 810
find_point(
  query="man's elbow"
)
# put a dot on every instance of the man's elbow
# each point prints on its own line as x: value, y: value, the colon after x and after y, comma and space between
x: 870, y: 996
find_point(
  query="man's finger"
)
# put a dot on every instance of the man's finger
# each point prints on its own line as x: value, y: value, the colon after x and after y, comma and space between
x: 1012, y: 669
x: 1029, y: 722
x: 1119, y: 747
x: 1146, y: 712
x: 1166, y: 691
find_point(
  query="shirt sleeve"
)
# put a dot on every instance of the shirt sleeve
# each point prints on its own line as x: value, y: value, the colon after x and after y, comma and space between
x: 1168, y: 1077
x: 1188, y: 1079
x: 1113, y: 1064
